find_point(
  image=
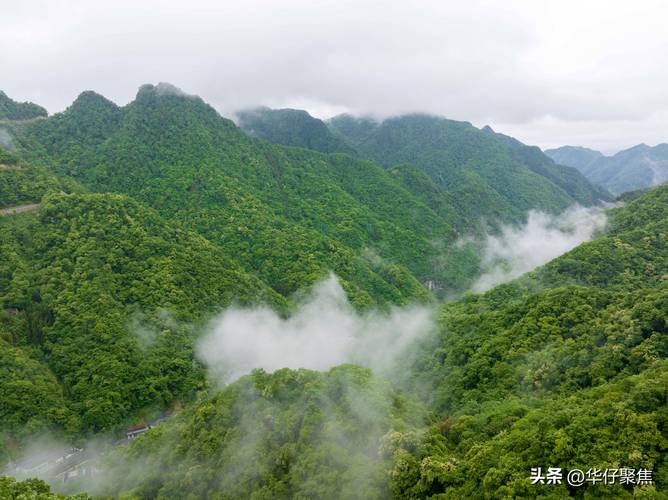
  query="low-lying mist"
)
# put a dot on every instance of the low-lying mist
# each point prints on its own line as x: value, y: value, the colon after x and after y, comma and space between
x: 325, y: 331
x: 518, y: 250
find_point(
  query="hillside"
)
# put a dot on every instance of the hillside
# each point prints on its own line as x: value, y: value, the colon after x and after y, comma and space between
x: 12, y: 110
x: 574, y: 156
x: 149, y: 219
x: 565, y: 367
x: 98, y: 296
x: 21, y: 184
x: 488, y: 175
x: 318, y: 432
x: 557, y: 369
x: 639, y: 167
x: 291, y: 127
x: 288, y: 214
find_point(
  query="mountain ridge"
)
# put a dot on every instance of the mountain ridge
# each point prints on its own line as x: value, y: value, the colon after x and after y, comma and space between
x: 638, y: 167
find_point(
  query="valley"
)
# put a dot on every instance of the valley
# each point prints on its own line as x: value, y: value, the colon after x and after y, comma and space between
x: 353, y: 308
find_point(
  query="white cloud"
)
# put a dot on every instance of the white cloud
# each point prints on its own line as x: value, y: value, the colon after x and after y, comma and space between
x: 323, y: 332
x: 518, y: 250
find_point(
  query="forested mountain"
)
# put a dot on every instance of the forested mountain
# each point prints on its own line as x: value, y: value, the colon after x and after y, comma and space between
x: 145, y: 221
x: 291, y: 127
x: 22, y: 185
x: 289, y: 214
x: 12, y: 110
x: 464, y: 161
x: 635, y: 168
x: 487, y: 174
x: 94, y: 288
x: 565, y: 367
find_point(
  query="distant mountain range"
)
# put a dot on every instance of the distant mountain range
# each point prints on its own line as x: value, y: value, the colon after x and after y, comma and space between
x: 639, y: 167
x: 482, y: 173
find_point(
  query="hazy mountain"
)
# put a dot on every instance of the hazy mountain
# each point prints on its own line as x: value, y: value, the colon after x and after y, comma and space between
x: 574, y: 156
x: 159, y: 227
x: 291, y: 127
x: 635, y: 168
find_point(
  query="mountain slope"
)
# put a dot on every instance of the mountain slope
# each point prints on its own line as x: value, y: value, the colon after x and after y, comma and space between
x: 290, y: 434
x: 555, y: 369
x: 635, y: 168
x: 567, y: 177
x: 565, y: 367
x: 291, y: 127
x: 574, y: 156
x: 488, y: 175
x: 12, y: 110
x: 101, y: 292
x: 21, y: 184
x: 288, y: 214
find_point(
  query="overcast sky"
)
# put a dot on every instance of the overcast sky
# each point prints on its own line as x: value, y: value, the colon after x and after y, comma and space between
x: 591, y: 73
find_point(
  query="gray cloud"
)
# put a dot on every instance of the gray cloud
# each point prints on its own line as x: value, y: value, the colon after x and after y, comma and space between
x: 548, y: 72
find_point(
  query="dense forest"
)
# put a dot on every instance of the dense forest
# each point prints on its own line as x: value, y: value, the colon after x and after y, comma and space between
x: 148, y: 220
x: 484, y: 173
x: 12, y: 110
x: 487, y: 174
x: 565, y: 367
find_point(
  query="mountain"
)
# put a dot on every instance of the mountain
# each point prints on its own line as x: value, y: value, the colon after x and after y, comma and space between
x: 24, y: 185
x: 12, y: 110
x: 567, y: 177
x: 98, y: 296
x: 290, y: 215
x: 488, y: 175
x: 318, y: 432
x: 565, y: 367
x: 574, y: 156
x: 146, y: 220
x: 635, y: 168
x: 291, y: 127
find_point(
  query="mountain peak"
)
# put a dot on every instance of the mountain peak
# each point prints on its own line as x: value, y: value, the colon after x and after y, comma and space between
x: 89, y: 98
x: 291, y: 127
x: 162, y: 89
x: 13, y: 110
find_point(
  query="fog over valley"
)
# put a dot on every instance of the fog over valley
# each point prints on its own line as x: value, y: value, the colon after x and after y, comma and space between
x: 333, y: 250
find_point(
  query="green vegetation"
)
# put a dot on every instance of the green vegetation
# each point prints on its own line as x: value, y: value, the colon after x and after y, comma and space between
x: 557, y: 369
x: 33, y: 489
x: 155, y: 216
x: 290, y: 434
x: 290, y: 215
x: 7, y: 158
x: 21, y: 184
x: 12, y: 110
x: 104, y: 293
x: 487, y: 175
x: 291, y: 127
x: 565, y: 367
